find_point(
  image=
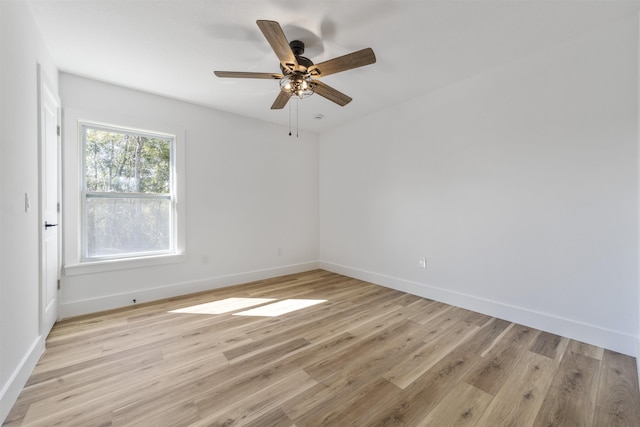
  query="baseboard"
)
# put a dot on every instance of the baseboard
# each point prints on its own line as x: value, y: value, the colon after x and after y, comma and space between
x: 13, y: 387
x: 108, y: 302
x: 591, y: 334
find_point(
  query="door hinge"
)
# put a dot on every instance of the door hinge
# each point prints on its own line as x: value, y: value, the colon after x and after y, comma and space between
x: 58, y: 207
x: 58, y: 284
x: 59, y: 130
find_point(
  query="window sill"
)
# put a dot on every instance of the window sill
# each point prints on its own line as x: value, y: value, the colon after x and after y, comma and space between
x: 122, y: 264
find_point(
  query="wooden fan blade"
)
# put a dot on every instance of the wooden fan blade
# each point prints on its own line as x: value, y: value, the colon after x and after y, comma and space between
x: 343, y: 63
x: 248, y: 75
x: 330, y: 93
x: 276, y: 38
x: 281, y: 100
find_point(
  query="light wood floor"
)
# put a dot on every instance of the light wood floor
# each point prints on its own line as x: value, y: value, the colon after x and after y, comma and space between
x: 367, y: 356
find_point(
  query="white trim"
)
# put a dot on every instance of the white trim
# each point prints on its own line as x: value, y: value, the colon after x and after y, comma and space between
x: 588, y: 333
x: 638, y: 181
x: 72, y: 177
x: 45, y: 95
x: 92, y: 305
x: 86, y: 194
x: 13, y: 387
x: 638, y: 358
x: 88, y: 267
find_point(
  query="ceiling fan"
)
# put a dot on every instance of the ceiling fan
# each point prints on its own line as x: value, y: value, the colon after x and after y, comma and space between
x: 299, y: 74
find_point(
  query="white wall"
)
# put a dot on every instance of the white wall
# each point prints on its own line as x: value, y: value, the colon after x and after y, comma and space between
x: 250, y: 189
x: 520, y: 187
x: 21, y: 48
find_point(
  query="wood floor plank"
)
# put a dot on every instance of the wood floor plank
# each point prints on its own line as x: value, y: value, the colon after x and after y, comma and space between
x: 500, y: 362
x: 247, y: 388
x: 274, y: 334
x: 586, y: 349
x: 252, y: 406
x: 353, y: 317
x: 384, y: 340
x: 273, y: 418
x: 570, y: 400
x: 461, y: 407
x: 432, y: 310
x: 549, y: 345
x: 367, y: 356
x: 415, y: 402
x: 342, y: 403
x: 477, y: 319
x: 519, y: 399
x: 618, y: 401
x: 119, y: 390
x: 164, y: 412
x: 234, y: 387
x: 416, y: 363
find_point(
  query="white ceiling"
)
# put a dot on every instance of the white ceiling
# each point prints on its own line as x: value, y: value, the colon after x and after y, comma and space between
x: 171, y: 47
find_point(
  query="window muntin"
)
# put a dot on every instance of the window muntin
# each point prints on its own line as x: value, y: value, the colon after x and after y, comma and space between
x: 128, y: 193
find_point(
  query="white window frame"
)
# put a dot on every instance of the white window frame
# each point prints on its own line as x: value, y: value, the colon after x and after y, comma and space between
x: 85, y: 194
x: 75, y: 263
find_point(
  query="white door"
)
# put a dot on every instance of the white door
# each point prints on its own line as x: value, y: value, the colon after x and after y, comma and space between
x: 49, y: 105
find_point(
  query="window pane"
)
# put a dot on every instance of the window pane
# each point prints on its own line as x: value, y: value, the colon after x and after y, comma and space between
x: 126, y: 162
x: 125, y: 226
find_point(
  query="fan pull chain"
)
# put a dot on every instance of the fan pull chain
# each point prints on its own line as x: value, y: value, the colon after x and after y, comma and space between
x: 289, y: 119
x: 297, y: 118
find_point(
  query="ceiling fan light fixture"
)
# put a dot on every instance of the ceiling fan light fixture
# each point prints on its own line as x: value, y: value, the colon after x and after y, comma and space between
x: 298, y: 85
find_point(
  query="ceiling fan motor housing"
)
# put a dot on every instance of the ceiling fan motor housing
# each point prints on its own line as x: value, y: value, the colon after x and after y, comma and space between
x: 297, y: 47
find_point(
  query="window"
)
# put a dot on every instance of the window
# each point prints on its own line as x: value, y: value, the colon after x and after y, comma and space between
x: 128, y: 193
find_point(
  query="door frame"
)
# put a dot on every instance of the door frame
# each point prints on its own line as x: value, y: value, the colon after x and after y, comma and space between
x: 46, y: 91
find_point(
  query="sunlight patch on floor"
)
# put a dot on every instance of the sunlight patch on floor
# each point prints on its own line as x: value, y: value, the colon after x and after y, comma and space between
x: 223, y: 306
x: 281, y: 307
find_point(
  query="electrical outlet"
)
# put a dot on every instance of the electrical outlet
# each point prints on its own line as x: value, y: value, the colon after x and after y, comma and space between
x: 422, y: 262
x: 204, y: 259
